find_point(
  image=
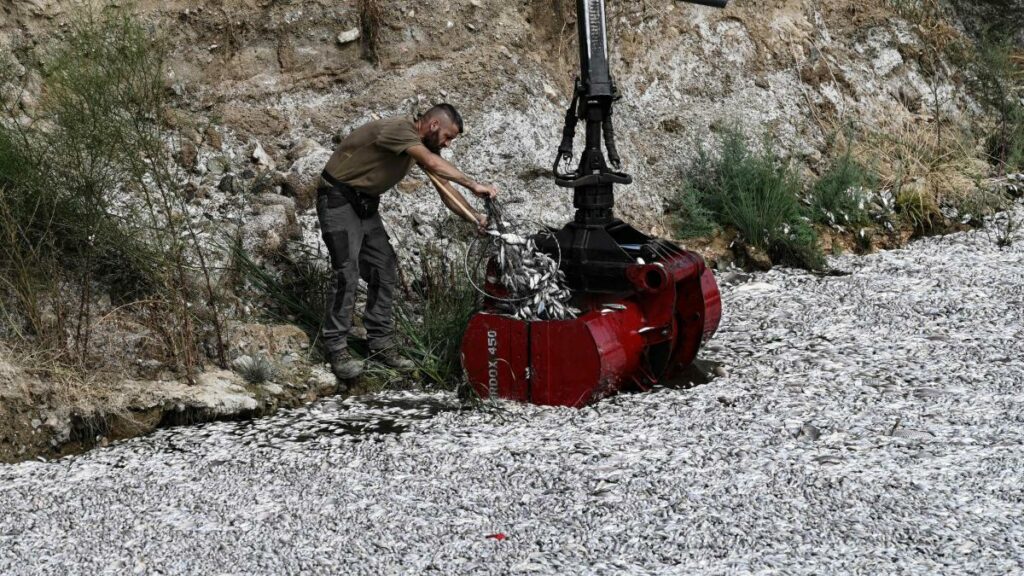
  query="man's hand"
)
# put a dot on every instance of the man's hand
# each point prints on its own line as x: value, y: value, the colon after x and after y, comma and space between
x: 484, y: 190
x: 481, y: 223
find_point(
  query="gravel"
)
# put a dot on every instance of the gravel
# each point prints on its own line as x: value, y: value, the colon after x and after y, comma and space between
x: 867, y: 423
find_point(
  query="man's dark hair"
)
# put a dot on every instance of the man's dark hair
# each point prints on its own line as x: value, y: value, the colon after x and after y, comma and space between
x: 449, y: 111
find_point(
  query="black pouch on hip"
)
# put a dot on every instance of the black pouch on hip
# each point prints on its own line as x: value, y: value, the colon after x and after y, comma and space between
x: 364, y: 205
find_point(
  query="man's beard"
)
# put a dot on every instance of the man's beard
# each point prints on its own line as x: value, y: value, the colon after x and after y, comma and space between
x: 433, y: 142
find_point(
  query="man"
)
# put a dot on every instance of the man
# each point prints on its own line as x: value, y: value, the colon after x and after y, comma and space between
x: 370, y: 161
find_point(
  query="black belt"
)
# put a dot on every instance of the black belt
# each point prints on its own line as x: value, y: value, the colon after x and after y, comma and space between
x: 365, y: 205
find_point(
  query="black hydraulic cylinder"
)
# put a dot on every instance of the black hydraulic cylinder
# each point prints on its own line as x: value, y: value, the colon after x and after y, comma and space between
x: 597, y: 76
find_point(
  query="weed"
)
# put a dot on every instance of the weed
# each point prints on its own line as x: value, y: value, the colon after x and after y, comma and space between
x: 1008, y: 230
x: 296, y: 292
x: 917, y: 204
x: 430, y: 320
x: 923, y: 172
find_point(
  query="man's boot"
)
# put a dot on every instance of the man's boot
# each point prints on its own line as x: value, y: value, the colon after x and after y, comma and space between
x: 392, y: 359
x: 344, y: 366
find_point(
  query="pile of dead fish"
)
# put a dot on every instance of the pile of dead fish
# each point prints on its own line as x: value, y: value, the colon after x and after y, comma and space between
x: 866, y: 423
x: 535, y: 284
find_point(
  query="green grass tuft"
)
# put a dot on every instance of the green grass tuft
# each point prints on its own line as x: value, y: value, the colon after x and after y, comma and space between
x: 433, y: 320
x: 258, y: 370
x: 754, y: 193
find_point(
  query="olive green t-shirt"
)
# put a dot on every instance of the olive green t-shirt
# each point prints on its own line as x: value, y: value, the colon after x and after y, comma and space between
x: 374, y: 157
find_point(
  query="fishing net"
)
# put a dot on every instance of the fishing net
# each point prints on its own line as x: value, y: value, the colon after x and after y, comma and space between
x: 534, y: 285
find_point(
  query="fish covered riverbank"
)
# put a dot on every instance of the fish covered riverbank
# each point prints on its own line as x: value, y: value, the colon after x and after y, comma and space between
x: 870, y: 422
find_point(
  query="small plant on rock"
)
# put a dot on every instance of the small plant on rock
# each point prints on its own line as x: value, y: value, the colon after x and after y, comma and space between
x: 258, y: 370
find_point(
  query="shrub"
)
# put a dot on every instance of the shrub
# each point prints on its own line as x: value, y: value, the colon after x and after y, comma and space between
x: 997, y: 80
x: 840, y: 196
x: 755, y: 193
x: 692, y: 217
x: 91, y: 190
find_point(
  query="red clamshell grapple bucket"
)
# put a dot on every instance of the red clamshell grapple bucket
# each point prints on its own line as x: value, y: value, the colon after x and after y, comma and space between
x: 632, y: 341
x: 647, y: 304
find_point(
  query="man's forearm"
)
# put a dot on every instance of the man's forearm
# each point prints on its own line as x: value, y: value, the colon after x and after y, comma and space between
x: 448, y: 171
x: 453, y: 200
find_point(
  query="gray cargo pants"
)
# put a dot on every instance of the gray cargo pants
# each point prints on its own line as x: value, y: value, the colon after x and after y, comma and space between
x: 358, y: 248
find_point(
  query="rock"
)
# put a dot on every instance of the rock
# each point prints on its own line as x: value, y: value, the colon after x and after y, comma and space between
x: 261, y: 158
x: 756, y: 257
x: 193, y: 191
x: 910, y: 97
x: 218, y: 165
x: 213, y: 138
x: 227, y: 184
x: 222, y: 392
x: 304, y: 176
x: 43, y: 8
x: 270, y: 199
x: 275, y: 341
x: 241, y: 362
x: 348, y: 36
x: 302, y: 191
x: 187, y: 155
x: 552, y: 94
x: 274, y: 223
x: 303, y: 148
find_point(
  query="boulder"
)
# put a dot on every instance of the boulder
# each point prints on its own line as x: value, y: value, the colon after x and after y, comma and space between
x: 303, y: 148
x: 270, y: 199
x: 304, y: 175
x: 266, y: 232
x: 261, y: 158
x: 272, y: 341
x: 303, y: 191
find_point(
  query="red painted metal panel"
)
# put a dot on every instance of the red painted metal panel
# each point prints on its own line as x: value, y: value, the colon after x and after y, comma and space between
x: 565, y: 363
x: 712, y: 304
x: 495, y: 354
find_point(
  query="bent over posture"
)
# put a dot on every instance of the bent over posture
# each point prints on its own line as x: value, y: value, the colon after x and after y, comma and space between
x: 368, y: 162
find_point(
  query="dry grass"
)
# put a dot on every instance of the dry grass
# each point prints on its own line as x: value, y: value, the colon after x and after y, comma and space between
x: 929, y: 167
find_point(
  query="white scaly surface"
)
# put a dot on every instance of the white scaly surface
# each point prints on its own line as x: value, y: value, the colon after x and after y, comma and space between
x: 869, y: 424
